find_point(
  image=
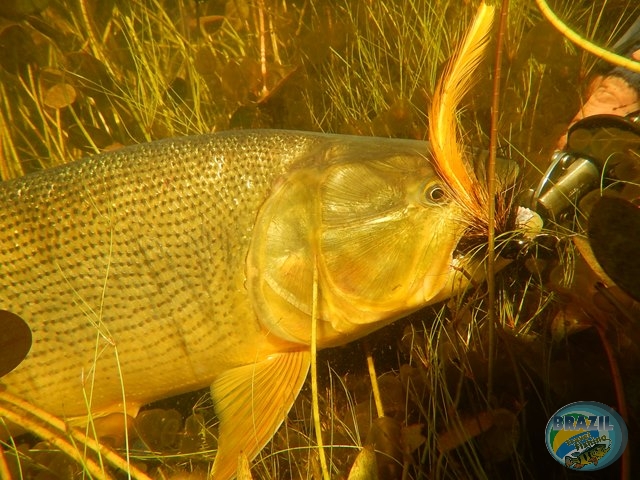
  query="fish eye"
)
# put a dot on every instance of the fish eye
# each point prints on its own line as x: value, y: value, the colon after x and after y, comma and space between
x: 434, y: 193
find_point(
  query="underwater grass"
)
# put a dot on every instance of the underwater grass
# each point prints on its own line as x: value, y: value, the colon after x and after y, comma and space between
x: 104, y: 74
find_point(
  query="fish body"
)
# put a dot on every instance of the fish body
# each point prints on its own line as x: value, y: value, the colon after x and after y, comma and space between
x: 591, y: 455
x: 165, y: 267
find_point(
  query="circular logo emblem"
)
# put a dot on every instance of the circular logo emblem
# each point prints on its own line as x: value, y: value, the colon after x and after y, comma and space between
x: 586, y: 436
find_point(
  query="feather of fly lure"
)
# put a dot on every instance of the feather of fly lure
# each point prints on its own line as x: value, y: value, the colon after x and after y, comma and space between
x: 450, y: 159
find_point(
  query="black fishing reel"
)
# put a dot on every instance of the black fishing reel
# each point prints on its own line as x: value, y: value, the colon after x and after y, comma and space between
x: 602, y: 154
x: 594, y: 185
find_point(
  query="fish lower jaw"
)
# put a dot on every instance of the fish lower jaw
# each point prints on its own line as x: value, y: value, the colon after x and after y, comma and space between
x: 462, y: 274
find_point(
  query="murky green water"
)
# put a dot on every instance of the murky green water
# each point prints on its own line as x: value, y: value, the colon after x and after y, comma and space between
x: 83, y: 76
x: 87, y: 75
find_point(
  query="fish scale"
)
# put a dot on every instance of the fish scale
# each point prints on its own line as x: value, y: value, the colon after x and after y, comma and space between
x: 165, y: 267
x: 141, y: 233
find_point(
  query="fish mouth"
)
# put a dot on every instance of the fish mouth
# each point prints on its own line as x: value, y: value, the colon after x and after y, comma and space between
x: 467, y: 266
x: 512, y: 236
x: 466, y: 269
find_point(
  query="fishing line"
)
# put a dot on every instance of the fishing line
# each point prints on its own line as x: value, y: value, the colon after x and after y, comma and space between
x: 583, y: 42
x: 618, y: 386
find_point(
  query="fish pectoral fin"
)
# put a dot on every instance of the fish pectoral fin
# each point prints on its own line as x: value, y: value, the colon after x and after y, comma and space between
x: 251, y: 402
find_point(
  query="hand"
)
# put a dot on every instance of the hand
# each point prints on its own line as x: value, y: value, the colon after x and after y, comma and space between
x: 610, y: 94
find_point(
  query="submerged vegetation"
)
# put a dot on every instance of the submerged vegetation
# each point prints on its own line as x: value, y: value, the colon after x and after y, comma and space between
x: 82, y: 76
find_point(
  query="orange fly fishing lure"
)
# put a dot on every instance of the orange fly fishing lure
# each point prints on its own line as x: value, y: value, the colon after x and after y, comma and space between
x: 450, y: 158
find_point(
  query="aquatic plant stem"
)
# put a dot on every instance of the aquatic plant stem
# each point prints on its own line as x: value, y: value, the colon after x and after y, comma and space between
x: 314, y: 375
x: 49, y: 427
x: 263, y: 49
x: 377, y: 398
x: 54, y: 438
x: 583, y: 42
x: 4, y: 468
x: 491, y: 193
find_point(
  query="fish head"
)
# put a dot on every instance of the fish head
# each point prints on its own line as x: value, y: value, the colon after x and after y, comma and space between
x: 362, y: 229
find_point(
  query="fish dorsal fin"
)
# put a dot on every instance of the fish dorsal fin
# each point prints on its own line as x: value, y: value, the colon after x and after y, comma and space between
x: 251, y: 402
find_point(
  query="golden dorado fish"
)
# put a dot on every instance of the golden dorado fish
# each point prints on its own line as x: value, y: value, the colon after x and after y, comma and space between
x: 165, y: 267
